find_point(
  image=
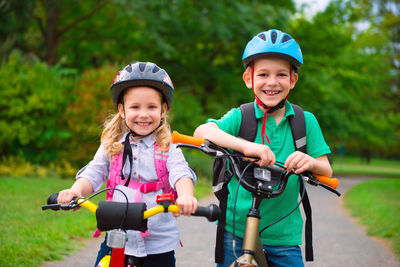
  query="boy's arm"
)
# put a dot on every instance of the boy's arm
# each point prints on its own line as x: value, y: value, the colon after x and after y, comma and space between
x: 213, y: 133
x: 186, y: 201
x: 300, y: 162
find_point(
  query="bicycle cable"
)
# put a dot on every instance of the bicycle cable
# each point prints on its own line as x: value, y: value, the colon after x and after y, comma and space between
x: 298, y: 204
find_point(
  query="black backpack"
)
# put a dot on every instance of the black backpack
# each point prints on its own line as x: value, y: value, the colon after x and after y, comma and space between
x: 222, y: 175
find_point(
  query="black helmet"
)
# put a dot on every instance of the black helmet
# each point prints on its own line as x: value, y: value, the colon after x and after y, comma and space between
x: 142, y: 74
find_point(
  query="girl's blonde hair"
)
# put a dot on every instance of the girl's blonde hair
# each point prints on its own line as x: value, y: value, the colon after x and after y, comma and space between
x: 115, y: 127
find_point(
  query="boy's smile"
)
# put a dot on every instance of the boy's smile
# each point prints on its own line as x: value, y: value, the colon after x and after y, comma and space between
x: 271, y: 80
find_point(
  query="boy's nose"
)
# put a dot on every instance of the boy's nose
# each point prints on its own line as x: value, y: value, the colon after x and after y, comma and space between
x: 271, y: 80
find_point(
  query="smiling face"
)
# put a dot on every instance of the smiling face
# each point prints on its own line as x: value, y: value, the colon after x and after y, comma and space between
x: 271, y: 80
x: 142, y: 109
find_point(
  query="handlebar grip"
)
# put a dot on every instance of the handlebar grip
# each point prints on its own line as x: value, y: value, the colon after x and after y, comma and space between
x: 211, y: 212
x: 332, y: 182
x: 52, y: 199
x: 186, y: 139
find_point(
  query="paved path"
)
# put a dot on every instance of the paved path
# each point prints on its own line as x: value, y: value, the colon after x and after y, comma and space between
x: 338, y: 240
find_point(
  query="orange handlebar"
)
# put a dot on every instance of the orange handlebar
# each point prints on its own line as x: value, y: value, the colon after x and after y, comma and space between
x: 186, y: 139
x: 332, y: 182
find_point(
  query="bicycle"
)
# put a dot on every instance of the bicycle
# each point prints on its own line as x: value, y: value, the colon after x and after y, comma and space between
x: 262, y: 182
x: 118, y: 217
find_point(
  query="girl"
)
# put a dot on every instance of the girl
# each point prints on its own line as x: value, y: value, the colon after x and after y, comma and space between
x: 137, y: 157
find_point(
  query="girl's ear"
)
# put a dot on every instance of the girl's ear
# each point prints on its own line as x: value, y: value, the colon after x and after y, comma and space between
x: 164, y: 110
x: 121, y: 110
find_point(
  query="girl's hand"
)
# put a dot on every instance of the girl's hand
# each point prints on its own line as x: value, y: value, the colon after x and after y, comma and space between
x: 65, y: 196
x: 187, y: 205
x: 263, y: 152
x: 299, y: 162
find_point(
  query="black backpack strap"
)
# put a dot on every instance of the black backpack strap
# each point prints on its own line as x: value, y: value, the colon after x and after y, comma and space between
x: 308, y: 225
x: 298, y: 127
x: 248, y: 128
x: 248, y: 131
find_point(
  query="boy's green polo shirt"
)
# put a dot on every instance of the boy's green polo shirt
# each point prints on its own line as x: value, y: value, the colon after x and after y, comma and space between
x: 289, y: 230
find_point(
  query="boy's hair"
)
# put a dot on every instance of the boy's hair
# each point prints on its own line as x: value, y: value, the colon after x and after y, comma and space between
x: 115, y: 128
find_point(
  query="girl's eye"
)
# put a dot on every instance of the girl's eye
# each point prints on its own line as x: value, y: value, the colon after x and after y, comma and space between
x: 262, y: 74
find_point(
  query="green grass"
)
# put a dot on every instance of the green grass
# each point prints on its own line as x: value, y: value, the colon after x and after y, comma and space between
x: 354, y: 166
x: 377, y: 204
x: 30, y: 236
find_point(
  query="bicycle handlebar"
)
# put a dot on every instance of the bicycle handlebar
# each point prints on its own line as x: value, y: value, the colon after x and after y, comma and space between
x: 127, y: 216
x: 210, y: 148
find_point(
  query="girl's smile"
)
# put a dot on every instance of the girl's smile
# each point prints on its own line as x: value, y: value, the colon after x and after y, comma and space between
x: 142, y: 109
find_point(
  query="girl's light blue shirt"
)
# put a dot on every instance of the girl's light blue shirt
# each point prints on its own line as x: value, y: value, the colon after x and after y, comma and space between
x: 163, y: 230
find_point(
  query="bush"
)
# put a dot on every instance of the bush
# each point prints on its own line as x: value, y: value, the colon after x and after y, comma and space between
x: 33, y: 97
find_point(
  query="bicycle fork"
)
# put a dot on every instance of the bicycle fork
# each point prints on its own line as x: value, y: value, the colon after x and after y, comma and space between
x: 252, y: 249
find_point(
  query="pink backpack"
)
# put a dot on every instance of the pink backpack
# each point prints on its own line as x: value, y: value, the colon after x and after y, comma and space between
x: 114, y: 179
x: 160, y: 162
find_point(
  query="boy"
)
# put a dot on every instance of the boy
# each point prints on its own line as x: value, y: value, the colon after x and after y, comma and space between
x: 271, y: 60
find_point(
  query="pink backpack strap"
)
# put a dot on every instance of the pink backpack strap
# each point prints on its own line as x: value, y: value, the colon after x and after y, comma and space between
x: 114, y: 177
x: 160, y: 161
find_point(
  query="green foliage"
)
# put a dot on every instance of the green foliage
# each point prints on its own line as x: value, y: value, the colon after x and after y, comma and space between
x: 377, y: 204
x: 86, y: 112
x: 349, y: 78
x: 32, y: 99
x: 345, y: 80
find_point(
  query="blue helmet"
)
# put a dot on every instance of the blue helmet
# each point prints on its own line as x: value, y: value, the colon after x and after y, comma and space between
x: 273, y: 43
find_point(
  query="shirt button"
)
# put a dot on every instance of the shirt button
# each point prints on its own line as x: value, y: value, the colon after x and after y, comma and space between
x: 134, y: 173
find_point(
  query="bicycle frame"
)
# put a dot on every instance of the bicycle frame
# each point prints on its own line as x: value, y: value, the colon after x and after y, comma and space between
x: 260, y: 188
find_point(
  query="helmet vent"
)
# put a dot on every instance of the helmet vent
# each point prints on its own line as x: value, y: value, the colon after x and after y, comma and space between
x: 142, y: 66
x: 155, y: 69
x: 273, y: 37
x: 286, y: 38
x: 129, y: 68
x: 262, y: 36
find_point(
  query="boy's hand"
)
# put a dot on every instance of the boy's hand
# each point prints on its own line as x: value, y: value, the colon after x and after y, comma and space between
x: 263, y: 152
x: 187, y: 205
x: 299, y: 162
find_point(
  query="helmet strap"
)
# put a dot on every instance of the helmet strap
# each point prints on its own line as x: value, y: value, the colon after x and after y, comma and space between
x: 127, y: 153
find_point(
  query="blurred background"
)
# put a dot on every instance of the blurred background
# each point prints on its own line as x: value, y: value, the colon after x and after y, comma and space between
x: 58, y: 59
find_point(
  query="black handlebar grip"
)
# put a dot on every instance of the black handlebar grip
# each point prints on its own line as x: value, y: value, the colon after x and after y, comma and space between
x: 211, y: 212
x: 52, y: 199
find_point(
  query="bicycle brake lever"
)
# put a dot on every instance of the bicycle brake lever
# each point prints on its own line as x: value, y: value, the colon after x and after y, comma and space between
x: 203, y: 148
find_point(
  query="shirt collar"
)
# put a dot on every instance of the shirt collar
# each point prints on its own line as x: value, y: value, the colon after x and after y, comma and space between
x: 260, y: 114
x: 147, y: 140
